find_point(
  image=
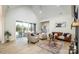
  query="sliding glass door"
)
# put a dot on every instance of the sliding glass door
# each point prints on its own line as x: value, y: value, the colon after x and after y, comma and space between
x: 32, y: 27
x: 23, y: 27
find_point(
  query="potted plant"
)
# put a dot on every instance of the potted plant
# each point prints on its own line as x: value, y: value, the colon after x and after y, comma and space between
x: 7, y: 35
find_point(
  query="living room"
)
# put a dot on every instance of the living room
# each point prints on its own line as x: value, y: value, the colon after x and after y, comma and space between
x: 51, y: 22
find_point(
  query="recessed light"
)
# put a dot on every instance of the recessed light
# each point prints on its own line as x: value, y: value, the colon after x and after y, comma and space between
x: 40, y: 11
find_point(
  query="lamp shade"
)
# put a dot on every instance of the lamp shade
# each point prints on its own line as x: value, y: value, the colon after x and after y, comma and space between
x: 75, y: 23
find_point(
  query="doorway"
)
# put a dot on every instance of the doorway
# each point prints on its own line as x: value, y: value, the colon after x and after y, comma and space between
x: 22, y: 28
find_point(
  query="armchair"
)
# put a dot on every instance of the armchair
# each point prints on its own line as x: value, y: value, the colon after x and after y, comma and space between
x: 43, y: 36
x: 67, y: 37
x: 32, y: 38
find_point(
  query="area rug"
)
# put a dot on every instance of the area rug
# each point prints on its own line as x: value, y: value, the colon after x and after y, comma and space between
x: 53, y: 48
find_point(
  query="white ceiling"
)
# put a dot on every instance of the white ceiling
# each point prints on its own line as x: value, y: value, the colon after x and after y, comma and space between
x: 47, y: 11
x: 44, y: 11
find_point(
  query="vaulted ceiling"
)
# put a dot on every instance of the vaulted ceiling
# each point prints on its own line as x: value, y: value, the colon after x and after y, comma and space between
x: 44, y: 11
x: 48, y: 11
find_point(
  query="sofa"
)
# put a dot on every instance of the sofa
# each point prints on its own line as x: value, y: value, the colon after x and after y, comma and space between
x: 62, y: 36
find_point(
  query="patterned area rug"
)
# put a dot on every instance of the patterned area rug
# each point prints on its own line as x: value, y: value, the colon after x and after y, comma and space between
x: 53, y: 48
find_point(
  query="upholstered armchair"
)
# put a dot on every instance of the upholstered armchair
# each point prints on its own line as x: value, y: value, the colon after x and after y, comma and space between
x: 67, y: 36
x: 43, y: 36
x: 32, y: 38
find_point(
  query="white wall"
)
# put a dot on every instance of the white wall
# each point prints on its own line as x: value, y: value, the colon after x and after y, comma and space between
x: 59, y: 15
x: 52, y: 14
x: 22, y: 13
x: 1, y: 25
x: 61, y: 19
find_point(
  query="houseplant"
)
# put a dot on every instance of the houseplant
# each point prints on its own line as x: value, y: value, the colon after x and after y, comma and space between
x: 7, y: 35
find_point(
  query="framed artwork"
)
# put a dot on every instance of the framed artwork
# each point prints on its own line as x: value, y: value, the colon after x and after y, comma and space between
x: 60, y: 25
x: 44, y: 29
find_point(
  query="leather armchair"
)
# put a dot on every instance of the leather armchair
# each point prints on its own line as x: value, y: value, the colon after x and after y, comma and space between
x: 67, y: 37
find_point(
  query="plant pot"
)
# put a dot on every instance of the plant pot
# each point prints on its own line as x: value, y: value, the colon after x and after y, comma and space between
x: 7, y: 39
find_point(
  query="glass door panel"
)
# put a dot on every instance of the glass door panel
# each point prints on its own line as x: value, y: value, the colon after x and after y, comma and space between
x: 18, y: 29
x: 23, y: 27
x: 29, y: 28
